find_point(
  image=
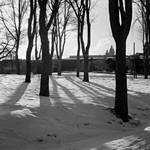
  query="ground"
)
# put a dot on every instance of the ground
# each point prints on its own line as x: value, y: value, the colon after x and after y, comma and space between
x: 76, y: 116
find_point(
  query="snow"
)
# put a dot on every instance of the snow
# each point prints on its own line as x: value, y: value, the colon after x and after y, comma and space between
x: 76, y: 116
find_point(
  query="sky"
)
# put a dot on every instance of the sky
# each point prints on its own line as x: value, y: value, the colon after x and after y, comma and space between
x: 101, y: 36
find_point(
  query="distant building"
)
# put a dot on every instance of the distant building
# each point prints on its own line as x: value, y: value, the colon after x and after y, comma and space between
x: 110, y: 52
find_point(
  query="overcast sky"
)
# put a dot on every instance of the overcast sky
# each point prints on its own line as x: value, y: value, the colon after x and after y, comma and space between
x: 101, y: 38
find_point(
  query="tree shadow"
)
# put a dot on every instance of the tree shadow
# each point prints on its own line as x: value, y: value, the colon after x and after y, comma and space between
x: 84, y: 87
x: 54, y: 92
x: 10, y: 105
x: 103, y: 87
x: 53, y: 99
x: 13, y: 99
x: 68, y: 93
x: 96, y: 94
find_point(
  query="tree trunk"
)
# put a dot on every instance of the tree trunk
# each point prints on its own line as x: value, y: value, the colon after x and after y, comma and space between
x: 121, y: 106
x: 78, y: 65
x: 44, y: 27
x: 44, y: 85
x: 17, y: 59
x: 147, y: 37
x: 78, y: 51
x: 36, y: 50
x: 28, y: 63
x: 86, y: 69
x: 51, y: 66
x: 145, y: 66
x: 59, y: 66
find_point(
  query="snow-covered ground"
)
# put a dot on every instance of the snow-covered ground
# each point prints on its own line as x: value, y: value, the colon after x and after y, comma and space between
x: 76, y: 116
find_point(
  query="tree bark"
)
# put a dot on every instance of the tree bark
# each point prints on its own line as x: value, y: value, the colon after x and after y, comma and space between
x: 147, y: 36
x: 78, y: 63
x: 86, y: 69
x: 59, y: 66
x: 85, y: 49
x: 51, y: 66
x: 145, y: 65
x: 43, y: 31
x: 44, y: 85
x: 31, y: 34
x: 78, y: 51
x: 120, y: 13
x: 28, y: 63
x: 121, y: 105
x: 17, y: 58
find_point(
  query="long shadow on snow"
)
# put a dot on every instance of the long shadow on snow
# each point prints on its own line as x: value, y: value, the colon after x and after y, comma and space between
x: 76, y: 107
x: 58, y: 111
x: 13, y: 99
x: 68, y: 93
x: 9, y: 106
x: 138, y: 98
x: 102, y: 87
x: 54, y: 93
x: 56, y: 108
x: 53, y: 100
x: 84, y: 87
x: 57, y: 98
x: 97, y: 97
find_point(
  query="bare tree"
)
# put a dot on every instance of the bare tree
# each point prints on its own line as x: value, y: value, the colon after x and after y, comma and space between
x: 31, y: 34
x: 76, y: 6
x: 86, y: 5
x: 62, y: 19
x: 13, y: 23
x: 82, y: 11
x: 7, y: 46
x: 53, y: 38
x: 143, y: 19
x: 146, y: 15
x: 120, y: 12
x: 45, y: 25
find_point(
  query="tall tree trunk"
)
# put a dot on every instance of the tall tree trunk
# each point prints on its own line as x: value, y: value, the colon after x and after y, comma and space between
x: 85, y: 48
x: 52, y: 47
x: 17, y: 58
x: 28, y: 63
x: 145, y: 65
x: 120, y: 13
x: 59, y: 66
x: 44, y: 85
x: 85, y: 56
x: 78, y: 63
x: 36, y: 50
x: 51, y: 66
x: 147, y: 37
x: 121, y: 105
x: 43, y: 31
x: 78, y: 51
x: 86, y: 69
x: 31, y: 34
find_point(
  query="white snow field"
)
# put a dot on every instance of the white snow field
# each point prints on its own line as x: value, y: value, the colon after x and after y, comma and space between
x: 76, y: 116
